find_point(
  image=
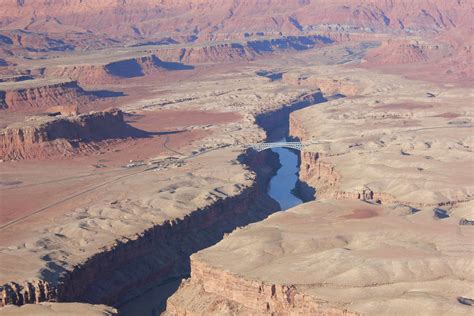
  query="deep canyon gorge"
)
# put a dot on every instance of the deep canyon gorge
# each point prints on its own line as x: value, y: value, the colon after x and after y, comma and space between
x: 131, y: 176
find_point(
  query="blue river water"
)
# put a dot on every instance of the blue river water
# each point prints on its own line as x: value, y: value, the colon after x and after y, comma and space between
x: 282, y: 184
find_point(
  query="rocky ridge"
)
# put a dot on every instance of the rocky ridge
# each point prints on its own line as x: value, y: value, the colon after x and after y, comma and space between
x: 46, y: 137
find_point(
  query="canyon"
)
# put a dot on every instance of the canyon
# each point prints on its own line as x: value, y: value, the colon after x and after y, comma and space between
x: 375, y: 235
x: 128, y: 184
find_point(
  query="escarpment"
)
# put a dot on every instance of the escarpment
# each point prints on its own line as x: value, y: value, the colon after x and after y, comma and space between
x: 43, y: 137
x: 39, y: 95
x: 241, y: 296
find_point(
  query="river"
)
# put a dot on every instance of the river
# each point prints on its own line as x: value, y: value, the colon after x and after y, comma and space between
x: 283, y: 183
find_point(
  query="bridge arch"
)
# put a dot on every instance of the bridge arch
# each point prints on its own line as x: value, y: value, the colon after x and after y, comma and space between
x: 264, y: 146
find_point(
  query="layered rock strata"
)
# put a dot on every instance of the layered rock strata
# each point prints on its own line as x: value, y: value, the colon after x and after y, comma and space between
x: 45, y: 137
x: 42, y: 95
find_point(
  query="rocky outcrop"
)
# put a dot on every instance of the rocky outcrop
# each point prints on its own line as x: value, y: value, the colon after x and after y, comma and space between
x: 85, y: 74
x: 63, y: 136
x: 241, y: 296
x: 42, y: 96
x: 214, y: 53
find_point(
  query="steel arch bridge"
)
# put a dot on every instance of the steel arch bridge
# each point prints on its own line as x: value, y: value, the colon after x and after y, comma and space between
x: 263, y: 146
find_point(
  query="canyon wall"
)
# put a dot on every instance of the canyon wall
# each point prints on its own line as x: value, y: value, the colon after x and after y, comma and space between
x: 322, y: 176
x: 279, y: 118
x: 329, y: 87
x: 352, y: 134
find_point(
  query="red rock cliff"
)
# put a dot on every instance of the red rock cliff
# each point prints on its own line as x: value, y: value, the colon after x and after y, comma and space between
x: 43, y: 96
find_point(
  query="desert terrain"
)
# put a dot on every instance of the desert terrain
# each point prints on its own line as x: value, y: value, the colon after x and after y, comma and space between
x: 130, y: 184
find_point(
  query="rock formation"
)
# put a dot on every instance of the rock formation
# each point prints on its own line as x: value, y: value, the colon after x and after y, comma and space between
x: 161, y: 251
x: 328, y: 168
